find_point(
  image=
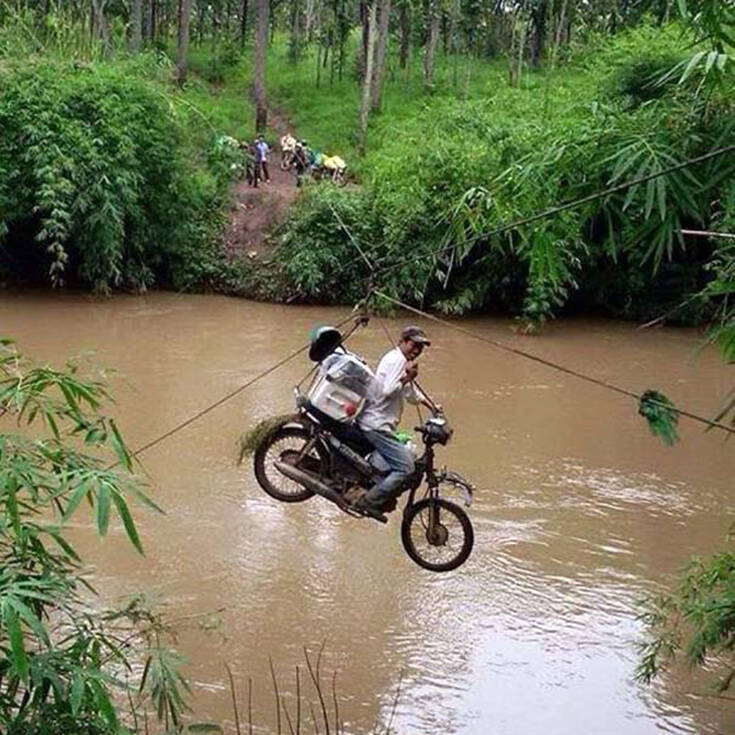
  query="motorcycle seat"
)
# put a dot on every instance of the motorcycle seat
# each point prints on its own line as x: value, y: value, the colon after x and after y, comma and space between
x: 350, y: 433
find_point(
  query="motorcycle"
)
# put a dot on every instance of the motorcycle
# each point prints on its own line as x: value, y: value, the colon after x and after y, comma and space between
x: 311, y: 453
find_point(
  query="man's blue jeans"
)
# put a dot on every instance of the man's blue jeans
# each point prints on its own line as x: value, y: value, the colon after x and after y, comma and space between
x: 398, y: 458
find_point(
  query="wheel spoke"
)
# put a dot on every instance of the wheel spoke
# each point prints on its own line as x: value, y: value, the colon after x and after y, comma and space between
x: 282, y: 449
x: 451, y: 540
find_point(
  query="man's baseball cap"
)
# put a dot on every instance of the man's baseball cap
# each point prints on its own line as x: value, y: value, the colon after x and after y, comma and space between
x: 415, y: 334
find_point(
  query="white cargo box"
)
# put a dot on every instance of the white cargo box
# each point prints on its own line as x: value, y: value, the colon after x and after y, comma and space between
x: 341, y: 386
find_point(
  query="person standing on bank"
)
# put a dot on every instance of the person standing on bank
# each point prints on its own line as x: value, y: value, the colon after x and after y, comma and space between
x: 261, y: 158
x: 379, y: 419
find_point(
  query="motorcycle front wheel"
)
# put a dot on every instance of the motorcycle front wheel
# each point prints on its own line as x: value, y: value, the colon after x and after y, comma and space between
x: 286, y: 445
x: 437, y: 534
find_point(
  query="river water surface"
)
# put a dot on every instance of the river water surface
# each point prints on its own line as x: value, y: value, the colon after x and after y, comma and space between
x: 580, y: 512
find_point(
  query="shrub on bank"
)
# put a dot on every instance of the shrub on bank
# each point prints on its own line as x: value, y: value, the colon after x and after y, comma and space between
x: 97, y: 187
x: 438, y: 185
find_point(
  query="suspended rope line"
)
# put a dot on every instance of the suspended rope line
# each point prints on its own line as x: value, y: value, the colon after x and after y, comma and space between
x: 373, y: 271
x: 444, y: 249
x: 228, y: 397
x: 370, y: 266
x: 549, y: 363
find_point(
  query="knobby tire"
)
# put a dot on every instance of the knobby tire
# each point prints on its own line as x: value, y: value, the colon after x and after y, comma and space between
x: 260, y: 466
x: 413, y: 516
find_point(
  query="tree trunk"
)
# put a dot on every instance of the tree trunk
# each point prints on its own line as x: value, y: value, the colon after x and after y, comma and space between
x: 309, y: 19
x: 100, y: 26
x: 294, y: 50
x: 539, y: 35
x: 404, y: 22
x: 365, y: 21
x: 516, y: 59
x: 146, y: 21
x: 366, y: 84
x: 261, y: 41
x: 184, y: 18
x: 318, y: 63
x: 444, y: 25
x: 430, y: 51
x: 243, y: 22
x: 378, y: 75
x: 559, y: 30
x: 152, y: 25
x: 136, y: 22
x: 454, y: 44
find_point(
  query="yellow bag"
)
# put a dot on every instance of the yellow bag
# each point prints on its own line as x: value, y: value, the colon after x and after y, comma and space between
x: 333, y: 163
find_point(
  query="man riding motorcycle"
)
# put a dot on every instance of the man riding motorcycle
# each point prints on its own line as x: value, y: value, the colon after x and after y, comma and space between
x: 379, y: 418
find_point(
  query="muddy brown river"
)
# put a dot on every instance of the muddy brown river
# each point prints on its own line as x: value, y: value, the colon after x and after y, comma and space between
x: 580, y: 512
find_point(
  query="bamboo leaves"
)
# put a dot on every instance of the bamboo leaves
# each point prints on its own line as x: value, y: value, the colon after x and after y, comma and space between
x: 50, y: 648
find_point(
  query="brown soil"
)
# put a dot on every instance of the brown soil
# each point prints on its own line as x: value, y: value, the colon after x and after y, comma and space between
x: 257, y: 210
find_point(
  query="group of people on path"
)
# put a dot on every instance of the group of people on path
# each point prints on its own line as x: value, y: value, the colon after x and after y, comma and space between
x: 295, y: 154
x: 256, y: 161
x: 304, y: 159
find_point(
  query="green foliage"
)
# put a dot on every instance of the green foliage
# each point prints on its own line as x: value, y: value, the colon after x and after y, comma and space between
x: 661, y: 415
x: 105, y: 179
x: 443, y: 175
x: 698, y: 620
x: 643, y: 79
x: 57, y: 656
x: 64, y: 663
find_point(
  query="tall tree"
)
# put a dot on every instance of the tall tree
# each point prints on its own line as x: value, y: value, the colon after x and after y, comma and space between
x: 367, y: 80
x: 539, y: 19
x: 243, y: 22
x: 100, y: 25
x: 404, y: 23
x: 261, y: 41
x: 136, y: 22
x: 294, y: 49
x: 184, y: 19
x: 379, y: 73
x: 430, y: 51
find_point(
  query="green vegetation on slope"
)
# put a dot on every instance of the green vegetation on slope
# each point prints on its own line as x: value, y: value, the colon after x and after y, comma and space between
x: 108, y: 177
x: 126, y: 185
x: 444, y: 169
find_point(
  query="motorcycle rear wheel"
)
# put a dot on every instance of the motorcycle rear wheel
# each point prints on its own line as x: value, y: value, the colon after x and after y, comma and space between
x: 437, y: 534
x: 279, y: 445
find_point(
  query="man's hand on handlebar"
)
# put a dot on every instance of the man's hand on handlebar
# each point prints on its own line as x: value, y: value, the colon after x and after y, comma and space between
x: 412, y: 370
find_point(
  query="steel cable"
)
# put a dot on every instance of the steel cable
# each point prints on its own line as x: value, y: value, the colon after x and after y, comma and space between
x: 533, y: 218
x: 550, y: 363
x: 207, y: 409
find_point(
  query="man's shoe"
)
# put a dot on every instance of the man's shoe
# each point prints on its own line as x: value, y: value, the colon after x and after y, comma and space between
x: 364, y: 504
x: 369, y: 510
x: 390, y: 505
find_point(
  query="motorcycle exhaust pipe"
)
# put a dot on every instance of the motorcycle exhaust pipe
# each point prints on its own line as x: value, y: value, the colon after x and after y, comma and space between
x: 308, y: 481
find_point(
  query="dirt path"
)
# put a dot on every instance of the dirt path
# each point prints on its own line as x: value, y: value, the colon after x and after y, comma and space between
x: 256, y: 211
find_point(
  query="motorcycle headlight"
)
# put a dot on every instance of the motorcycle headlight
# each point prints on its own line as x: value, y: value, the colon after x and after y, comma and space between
x: 438, y: 431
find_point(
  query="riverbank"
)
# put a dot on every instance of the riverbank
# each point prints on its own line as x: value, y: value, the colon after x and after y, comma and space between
x: 446, y: 182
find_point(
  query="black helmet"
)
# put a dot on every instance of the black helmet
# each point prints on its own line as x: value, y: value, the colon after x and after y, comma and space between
x: 324, y: 341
